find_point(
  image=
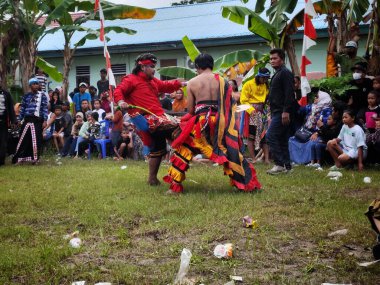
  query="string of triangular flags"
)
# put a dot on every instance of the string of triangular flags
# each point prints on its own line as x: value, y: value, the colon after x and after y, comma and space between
x: 308, y: 41
x: 111, y: 77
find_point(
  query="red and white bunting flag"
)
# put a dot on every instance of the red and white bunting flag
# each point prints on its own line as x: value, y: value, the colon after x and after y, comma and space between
x: 308, y: 41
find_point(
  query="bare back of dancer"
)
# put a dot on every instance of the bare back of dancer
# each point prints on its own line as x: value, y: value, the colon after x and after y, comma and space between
x: 203, y: 87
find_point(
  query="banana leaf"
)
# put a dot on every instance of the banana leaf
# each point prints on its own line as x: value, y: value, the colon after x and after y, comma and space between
x: 177, y: 72
x: 49, y: 69
x: 191, y: 49
x: 232, y: 58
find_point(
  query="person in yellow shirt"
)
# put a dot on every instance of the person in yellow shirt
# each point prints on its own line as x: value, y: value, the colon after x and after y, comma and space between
x: 255, y: 93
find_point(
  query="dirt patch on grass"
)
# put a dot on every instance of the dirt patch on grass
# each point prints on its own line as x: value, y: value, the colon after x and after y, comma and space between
x: 364, y: 193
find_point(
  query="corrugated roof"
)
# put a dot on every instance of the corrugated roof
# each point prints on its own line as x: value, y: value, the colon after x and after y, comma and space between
x: 199, y: 21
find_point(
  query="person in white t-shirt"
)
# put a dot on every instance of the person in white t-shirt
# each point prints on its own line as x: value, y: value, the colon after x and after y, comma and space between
x: 99, y: 110
x: 350, y: 145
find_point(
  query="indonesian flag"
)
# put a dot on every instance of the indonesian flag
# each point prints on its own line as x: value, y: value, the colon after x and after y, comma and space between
x: 111, y: 77
x: 308, y: 41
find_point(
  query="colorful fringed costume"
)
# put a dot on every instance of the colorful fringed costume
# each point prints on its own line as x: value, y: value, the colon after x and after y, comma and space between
x: 213, y: 132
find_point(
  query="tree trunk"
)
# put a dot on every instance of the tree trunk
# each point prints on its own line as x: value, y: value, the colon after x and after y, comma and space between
x: 290, y: 50
x: 343, y: 33
x: 68, y: 56
x: 374, y: 62
x: 27, y: 57
x: 3, y: 61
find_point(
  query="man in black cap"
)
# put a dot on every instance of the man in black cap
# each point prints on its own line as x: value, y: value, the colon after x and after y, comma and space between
x: 357, y: 98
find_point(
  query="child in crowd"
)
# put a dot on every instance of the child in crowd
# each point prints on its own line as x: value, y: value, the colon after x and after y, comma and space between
x: 320, y: 138
x: 99, y: 110
x: 75, y: 132
x: 59, y: 128
x: 350, y: 144
x: 89, y: 132
x: 366, y: 116
x: 376, y: 84
x: 124, y: 146
x: 55, y: 100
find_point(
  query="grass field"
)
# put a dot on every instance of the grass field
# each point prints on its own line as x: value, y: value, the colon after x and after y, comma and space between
x: 134, y: 234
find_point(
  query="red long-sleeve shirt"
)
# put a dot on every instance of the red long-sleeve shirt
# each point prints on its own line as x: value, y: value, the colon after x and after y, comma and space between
x: 143, y: 92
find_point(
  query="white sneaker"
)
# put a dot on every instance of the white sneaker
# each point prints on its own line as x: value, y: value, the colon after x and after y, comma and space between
x: 277, y: 170
x: 334, y: 168
x: 316, y: 165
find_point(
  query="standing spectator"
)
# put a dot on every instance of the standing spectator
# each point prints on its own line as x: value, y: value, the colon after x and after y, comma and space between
x: 7, y: 118
x: 69, y: 124
x: 179, y: 103
x: 297, y: 88
x: 282, y: 102
x: 93, y: 92
x: 348, y: 58
x: 33, y: 115
x: 80, y: 96
x: 357, y: 98
x: 42, y: 79
x: 255, y: 94
x: 117, y: 127
x: 103, y: 83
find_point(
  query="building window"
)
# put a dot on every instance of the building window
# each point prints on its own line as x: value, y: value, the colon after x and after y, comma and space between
x: 83, y: 74
x: 119, y: 70
x: 166, y: 63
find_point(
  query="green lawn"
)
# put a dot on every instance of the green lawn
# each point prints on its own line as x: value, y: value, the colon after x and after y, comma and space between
x: 134, y: 234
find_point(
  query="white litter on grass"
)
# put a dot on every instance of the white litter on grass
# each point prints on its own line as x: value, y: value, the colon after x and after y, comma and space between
x: 59, y: 163
x: 193, y: 181
x: 334, y: 178
x: 338, y: 233
x: 334, y: 174
x: 319, y: 169
x: 236, y: 278
x: 184, y: 267
x: 78, y: 283
x: 366, y: 264
x: 75, y: 242
x: 123, y: 167
x: 367, y: 179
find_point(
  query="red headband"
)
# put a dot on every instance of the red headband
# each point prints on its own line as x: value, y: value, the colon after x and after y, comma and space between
x: 146, y: 62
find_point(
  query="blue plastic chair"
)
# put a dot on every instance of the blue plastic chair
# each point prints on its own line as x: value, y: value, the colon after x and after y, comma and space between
x: 104, y: 140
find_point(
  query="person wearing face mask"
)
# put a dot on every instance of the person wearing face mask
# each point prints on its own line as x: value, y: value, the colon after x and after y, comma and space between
x: 348, y: 58
x: 357, y: 98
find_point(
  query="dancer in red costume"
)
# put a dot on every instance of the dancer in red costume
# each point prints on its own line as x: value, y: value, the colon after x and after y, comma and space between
x: 209, y: 128
x: 141, y: 89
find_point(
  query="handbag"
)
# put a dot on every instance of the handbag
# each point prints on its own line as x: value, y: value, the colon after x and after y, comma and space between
x: 303, y: 135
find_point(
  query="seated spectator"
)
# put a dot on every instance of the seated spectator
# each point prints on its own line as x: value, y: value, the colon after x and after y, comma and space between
x: 138, y: 146
x: 320, y: 110
x: 350, y: 145
x: 97, y: 108
x: 59, y: 128
x: 47, y: 132
x: 357, y: 98
x: 367, y: 115
x: 117, y: 126
x: 83, y: 131
x: 320, y: 138
x: 179, y: 103
x: 90, y: 134
x: 373, y: 143
x: 85, y: 106
x: 124, y: 146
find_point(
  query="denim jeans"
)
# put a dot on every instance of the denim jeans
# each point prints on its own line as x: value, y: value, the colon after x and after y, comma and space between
x: 317, y: 150
x: 278, y: 140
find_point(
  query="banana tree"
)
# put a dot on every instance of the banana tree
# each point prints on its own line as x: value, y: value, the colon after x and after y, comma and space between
x: 239, y: 61
x: 69, y: 27
x: 276, y: 31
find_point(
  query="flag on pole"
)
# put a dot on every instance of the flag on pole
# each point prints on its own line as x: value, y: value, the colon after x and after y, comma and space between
x: 111, y: 77
x: 308, y: 41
